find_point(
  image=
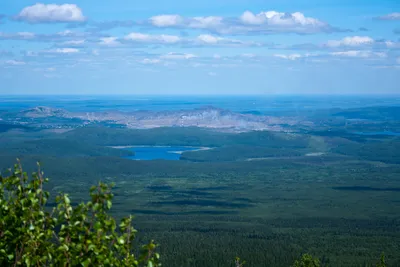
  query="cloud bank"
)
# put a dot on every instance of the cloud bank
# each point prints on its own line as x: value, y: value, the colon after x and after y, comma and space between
x: 391, y: 16
x: 51, y: 13
x: 264, y: 23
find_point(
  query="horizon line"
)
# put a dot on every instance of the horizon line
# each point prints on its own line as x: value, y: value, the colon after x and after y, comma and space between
x: 204, y: 95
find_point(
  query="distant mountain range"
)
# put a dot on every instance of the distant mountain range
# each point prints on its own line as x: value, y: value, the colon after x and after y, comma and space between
x: 206, y: 117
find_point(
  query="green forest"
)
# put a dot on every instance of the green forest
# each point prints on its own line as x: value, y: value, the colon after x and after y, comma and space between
x: 267, y: 197
x: 85, y: 234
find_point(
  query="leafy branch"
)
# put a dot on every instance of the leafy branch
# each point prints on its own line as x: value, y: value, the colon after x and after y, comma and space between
x: 85, y: 235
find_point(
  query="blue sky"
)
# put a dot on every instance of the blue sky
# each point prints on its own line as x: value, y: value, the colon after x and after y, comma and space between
x: 200, y: 47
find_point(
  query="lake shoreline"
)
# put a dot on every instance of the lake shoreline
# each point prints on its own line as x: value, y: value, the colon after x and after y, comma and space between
x: 199, y: 147
x: 143, y: 152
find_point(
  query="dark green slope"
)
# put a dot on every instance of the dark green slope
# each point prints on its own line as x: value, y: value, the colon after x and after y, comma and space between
x: 60, y: 148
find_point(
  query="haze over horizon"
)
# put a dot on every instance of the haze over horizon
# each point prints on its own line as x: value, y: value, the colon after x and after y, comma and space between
x: 177, y: 47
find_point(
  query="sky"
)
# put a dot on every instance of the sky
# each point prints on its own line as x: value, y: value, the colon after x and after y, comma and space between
x: 211, y: 47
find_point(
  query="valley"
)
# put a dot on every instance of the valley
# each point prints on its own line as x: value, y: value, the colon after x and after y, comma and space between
x: 268, y: 195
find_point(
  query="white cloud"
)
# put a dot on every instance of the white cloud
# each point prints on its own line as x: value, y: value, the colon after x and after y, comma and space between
x: 212, y: 74
x: 147, y: 38
x: 170, y: 39
x: 166, y: 20
x: 351, y: 41
x: 75, y: 42
x: 64, y: 50
x: 289, y: 57
x: 109, y: 41
x: 64, y: 38
x: 51, y: 69
x: 202, y: 40
x: 173, y: 55
x: 17, y: 36
x: 42, y: 13
x: 137, y: 37
x: 150, y: 61
x: 194, y: 22
x: 279, y: 19
x: 205, y: 22
x: 66, y: 33
x: 390, y: 44
x: 275, y: 22
x: 360, y: 54
x: 209, y: 39
x: 26, y: 35
x: 249, y: 18
x: 247, y: 55
x: 31, y: 53
x: 248, y: 22
x: 392, y: 16
x: 15, y: 62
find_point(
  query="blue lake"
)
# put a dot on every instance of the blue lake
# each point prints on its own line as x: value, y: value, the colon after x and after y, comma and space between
x: 159, y: 152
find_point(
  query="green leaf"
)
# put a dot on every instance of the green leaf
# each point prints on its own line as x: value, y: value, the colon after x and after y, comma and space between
x: 67, y: 200
x: 86, y: 263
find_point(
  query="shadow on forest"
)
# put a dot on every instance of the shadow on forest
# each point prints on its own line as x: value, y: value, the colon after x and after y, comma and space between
x: 202, y: 203
x: 197, y: 212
